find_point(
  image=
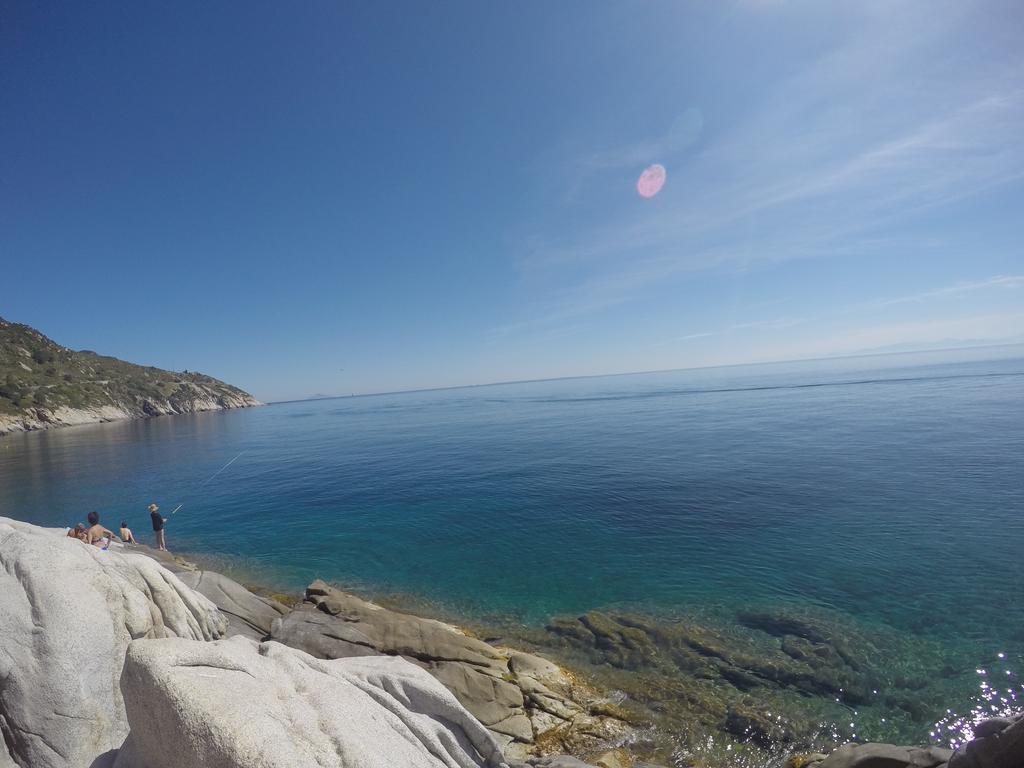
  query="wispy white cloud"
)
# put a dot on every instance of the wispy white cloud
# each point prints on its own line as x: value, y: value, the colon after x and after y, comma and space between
x: 827, y: 166
x: 681, y: 134
x: 972, y: 329
x: 880, y: 334
x: 953, y: 156
x: 774, y: 324
x: 999, y: 281
x: 777, y: 323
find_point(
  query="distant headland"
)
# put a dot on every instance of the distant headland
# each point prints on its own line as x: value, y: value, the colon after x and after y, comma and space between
x: 44, y: 385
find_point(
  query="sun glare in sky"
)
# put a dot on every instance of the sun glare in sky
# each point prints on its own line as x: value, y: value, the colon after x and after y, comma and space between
x: 651, y: 180
x: 846, y: 178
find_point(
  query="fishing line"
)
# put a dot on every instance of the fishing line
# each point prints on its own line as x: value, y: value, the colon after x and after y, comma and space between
x: 207, y: 480
x: 220, y: 470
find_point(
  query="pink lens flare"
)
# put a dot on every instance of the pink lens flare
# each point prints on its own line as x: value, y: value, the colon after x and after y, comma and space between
x: 651, y: 180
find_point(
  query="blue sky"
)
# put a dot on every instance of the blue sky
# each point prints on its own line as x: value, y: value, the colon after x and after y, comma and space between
x: 325, y: 197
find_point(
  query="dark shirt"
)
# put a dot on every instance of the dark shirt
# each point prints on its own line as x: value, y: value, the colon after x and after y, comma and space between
x: 158, y: 521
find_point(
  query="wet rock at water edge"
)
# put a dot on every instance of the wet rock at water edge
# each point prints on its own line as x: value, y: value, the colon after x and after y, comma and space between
x: 523, y: 699
x: 247, y: 614
x: 884, y: 756
x: 996, y: 745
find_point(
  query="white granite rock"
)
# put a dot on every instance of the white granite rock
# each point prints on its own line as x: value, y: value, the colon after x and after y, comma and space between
x: 238, y: 704
x: 248, y: 614
x: 68, y: 612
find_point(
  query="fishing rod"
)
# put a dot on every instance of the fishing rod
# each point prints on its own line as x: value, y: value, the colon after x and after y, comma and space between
x: 207, y: 480
x: 99, y: 503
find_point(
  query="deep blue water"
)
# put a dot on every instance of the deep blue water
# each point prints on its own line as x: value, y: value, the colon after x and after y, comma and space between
x: 889, y: 488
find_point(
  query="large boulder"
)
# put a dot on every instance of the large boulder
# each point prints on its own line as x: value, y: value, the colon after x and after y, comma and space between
x: 518, y: 696
x: 872, y: 755
x: 247, y: 614
x: 998, y: 743
x: 67, y: 614
x: 238, y: 704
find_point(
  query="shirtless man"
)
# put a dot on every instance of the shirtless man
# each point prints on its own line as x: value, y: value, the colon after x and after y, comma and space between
x: 126, y: 534
x: 97, y: 533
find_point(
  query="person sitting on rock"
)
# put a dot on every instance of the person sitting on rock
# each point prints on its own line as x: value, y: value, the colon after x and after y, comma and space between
x: 97, y: 533
x: 78, y: 532
x: 126, y: 534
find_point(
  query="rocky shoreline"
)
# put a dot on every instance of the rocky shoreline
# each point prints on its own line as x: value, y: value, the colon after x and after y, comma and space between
x: 41, y: 418
x: 131, y: 658
x: 44, y: 385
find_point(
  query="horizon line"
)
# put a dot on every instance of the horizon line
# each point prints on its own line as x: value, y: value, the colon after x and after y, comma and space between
x: 641, y: 373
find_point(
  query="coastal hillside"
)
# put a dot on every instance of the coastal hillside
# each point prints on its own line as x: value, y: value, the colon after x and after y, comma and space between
x: 43, y: 384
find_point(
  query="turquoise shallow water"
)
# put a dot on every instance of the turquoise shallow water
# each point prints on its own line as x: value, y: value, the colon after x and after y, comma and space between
x: 886, y: 488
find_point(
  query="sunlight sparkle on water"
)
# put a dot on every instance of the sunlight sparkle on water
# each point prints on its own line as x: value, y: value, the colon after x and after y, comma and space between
x: 651, y: 180
x: 956, y: 728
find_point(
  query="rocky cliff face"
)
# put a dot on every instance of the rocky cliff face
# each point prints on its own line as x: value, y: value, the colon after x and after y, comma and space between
x: 43, y: 385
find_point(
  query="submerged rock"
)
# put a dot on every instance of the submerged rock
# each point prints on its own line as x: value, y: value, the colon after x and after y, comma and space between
x: 68, y: 612
x: 766, y: 678
x: 616, y: 758
x: 753, y: 724
x: 237, y: 704
x: 559, y: 761
x: 522, y: 699
x: 810, y: 662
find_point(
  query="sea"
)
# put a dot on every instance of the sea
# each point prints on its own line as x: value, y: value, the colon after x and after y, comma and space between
x: 885, y: 490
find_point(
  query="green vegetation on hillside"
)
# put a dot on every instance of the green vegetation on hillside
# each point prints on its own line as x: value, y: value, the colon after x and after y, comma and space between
x: 38, y: 376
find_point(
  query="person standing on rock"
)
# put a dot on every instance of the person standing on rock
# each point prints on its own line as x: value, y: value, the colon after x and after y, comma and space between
x: 158, y: 527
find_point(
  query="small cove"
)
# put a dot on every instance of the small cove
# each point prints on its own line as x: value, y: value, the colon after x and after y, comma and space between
x: 880, y: 496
